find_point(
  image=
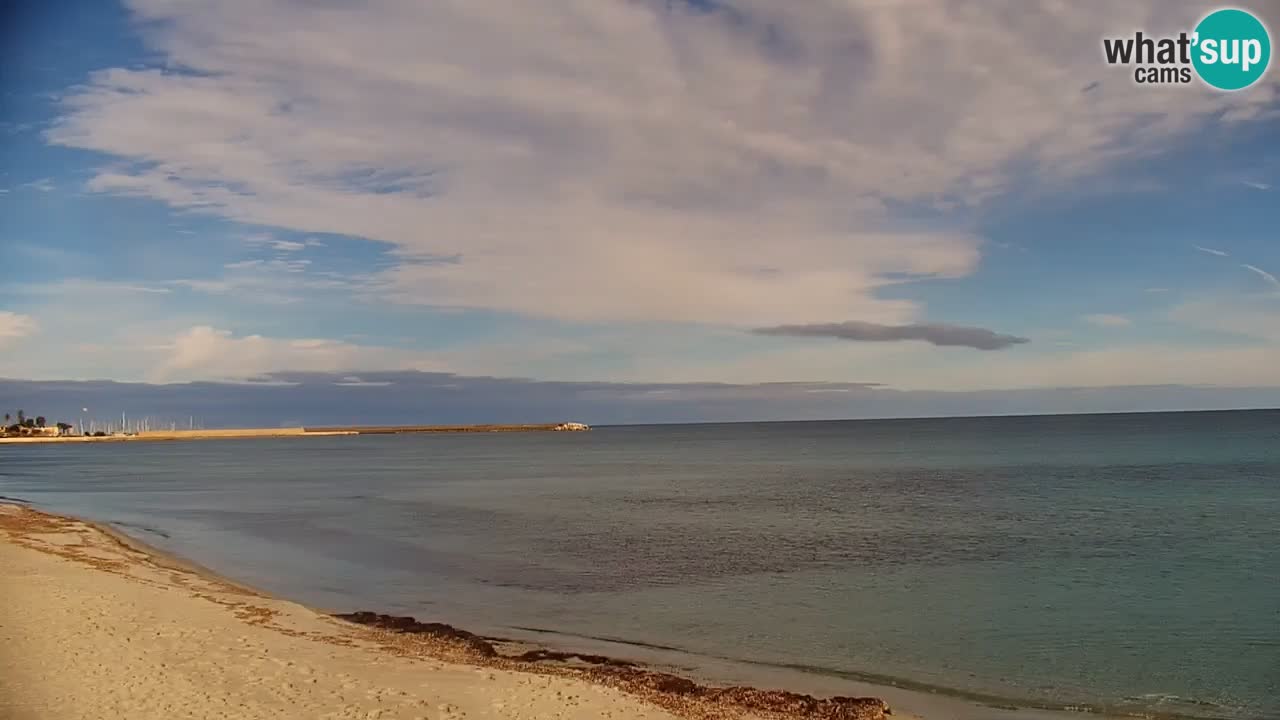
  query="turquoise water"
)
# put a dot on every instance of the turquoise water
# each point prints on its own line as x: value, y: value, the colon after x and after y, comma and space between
x: 1129, y: 563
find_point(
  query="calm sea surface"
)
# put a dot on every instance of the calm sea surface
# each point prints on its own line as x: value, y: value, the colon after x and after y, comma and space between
x: 1129, y: 562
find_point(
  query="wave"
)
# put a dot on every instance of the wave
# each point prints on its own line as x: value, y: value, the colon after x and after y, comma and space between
x: 1149, y: 706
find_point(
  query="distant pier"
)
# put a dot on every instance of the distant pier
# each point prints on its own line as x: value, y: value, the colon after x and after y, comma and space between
x: 402, y: 429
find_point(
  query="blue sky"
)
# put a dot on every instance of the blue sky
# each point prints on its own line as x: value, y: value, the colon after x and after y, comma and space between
x: 953, y: 198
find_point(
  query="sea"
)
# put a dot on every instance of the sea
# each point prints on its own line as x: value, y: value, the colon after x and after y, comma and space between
x: 1124, y: 565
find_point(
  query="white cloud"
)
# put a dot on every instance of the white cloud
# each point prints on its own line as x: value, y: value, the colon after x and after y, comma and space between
x: 1107, y: 320
x: 1266, y: 276
x: 267, y: 240
x: 290, y: 246
x: 630, y: 160
x: 204, y: 352
x: 1256, y: 185
x: 93, y: 329
x: 258, y: 239
x: 1211, y: 251
x: 14, y: 326
x: 81, y: 287
x: 276, y: 281
x: 42, y: 185
x: 356, y: 381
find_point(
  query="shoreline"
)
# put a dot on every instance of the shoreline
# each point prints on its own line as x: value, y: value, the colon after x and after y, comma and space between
x: 643, y: 670
x: 74, y: 554
x: 173, y: 436
x: 293, y: 432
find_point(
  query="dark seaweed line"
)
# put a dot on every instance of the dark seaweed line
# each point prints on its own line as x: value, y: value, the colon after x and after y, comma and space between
x: 644, y: 681
x: 987, y: 699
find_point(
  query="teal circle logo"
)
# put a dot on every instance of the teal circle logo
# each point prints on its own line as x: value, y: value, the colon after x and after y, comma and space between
x: 1231, y: 49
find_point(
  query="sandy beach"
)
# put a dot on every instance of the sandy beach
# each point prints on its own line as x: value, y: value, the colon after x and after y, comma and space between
x: 95, y: 626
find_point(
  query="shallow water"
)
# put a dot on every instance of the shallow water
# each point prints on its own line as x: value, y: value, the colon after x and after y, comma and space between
x: 1124, y: 562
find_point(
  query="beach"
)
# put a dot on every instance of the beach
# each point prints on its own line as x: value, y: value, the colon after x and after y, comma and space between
x: 94, y: 625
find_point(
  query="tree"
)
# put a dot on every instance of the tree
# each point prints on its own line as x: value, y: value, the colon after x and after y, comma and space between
x: 22, y: 417
x: 64, y: 428
x: 6, y: 419
x: 40, y: 421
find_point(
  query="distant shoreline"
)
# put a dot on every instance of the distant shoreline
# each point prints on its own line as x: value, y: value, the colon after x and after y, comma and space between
x: 243, y: 433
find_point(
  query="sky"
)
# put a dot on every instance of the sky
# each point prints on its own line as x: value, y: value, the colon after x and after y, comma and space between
x: 626, y: 211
